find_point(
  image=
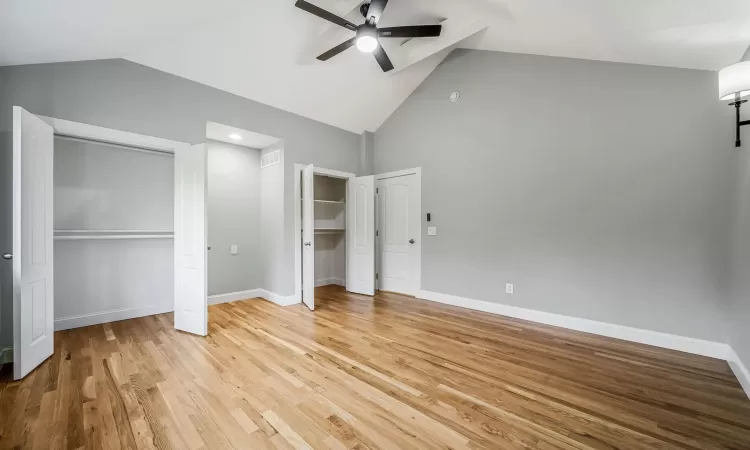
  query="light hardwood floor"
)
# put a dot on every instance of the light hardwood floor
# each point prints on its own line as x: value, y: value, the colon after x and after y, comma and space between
x: 388, y: 373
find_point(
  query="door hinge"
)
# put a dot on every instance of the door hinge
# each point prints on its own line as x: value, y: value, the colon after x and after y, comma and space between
x: 377, y: 276
x: 377, y: 233
x: 377, y: 190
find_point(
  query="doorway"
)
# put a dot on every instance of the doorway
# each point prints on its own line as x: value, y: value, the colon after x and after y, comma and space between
x: 334, y: 219
x: 94, y: 215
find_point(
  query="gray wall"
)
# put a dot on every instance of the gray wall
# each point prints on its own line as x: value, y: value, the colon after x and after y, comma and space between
x: 272, y: 226
x: 366, y: 153
x: 127, y: 96
x: 601, y: 190
x: 233, y: 209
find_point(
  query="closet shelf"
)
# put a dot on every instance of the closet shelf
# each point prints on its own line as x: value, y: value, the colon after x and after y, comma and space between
x: 329, y: 230
x: 330, y: 202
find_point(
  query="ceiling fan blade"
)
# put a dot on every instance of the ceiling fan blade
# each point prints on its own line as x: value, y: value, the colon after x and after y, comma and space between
x: 415, y: 31
x: 383, y: 59
x: 337, y: 49
x: 376, y: 9
x: 323, y: 14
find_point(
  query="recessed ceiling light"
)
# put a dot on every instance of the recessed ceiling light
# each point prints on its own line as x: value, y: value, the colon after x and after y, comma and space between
x: 235, y: 136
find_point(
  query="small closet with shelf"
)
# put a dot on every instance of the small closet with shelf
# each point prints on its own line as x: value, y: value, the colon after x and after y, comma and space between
x: 329, y: 205
x: 335, y: 218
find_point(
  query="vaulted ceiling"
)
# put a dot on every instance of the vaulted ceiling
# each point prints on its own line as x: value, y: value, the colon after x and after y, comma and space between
x: 265, y: 49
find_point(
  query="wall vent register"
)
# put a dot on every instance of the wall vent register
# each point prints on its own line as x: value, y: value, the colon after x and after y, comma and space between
x: 270, y: 158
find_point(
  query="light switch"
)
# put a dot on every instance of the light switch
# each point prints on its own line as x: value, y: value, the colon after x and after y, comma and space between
x: 431, y: 231
x: 233, y: 249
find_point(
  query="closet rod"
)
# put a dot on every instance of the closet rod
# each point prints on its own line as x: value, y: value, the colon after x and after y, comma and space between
x: 134, y: 148
x: 117, y: 231
x: 102, y: 237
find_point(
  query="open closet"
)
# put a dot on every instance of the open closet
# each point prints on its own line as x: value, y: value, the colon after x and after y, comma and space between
x: 337, y: 232
x: 329, y: 215
x: 114, y: 232
x: 103, y: 225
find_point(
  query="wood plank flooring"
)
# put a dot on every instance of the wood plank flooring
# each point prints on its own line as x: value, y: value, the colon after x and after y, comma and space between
x: 358, y: 373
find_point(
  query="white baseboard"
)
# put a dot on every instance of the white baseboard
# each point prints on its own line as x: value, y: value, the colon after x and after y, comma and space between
x: 281, y: 300
x: 656, y: 338
x: 84, y: 320
x: 234, y: 296
x: 740, y: 370
x: 328, y: 281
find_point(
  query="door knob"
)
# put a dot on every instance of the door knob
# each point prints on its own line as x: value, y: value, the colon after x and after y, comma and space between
x: 308, y: 243
x: 411, y: 241
x: 7, y: 256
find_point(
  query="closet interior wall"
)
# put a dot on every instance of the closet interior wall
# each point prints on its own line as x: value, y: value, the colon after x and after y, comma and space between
x: 330, y: 233
x: 233, y: 208
x: 114, y: 225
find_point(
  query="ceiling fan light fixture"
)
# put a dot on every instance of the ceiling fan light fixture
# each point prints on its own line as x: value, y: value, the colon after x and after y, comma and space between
x: 367, y: 44
x: 367, y: 38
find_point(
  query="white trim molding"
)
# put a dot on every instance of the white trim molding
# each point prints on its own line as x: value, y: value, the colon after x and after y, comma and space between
x: 6, y: 355
x: 79, y: 130
x: 399, y: 173
x: 656, y: 338
x: 97, y: 318
x: 281, y: 300
x: 740, y: 370
x: 234, y: 296
x: 329, y: 281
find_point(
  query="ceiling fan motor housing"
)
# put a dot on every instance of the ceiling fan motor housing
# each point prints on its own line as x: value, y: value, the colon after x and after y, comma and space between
x: 367, y: 30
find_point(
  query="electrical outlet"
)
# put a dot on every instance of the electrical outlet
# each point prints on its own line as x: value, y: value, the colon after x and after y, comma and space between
x: 508, y: 288
x: 233, y: 250
x: 431, y: 231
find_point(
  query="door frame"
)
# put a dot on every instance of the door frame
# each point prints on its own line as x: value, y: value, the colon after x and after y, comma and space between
x: 134, y: 141
x: 67, y: 128
x: 298, y: 218
x: 417, y: 270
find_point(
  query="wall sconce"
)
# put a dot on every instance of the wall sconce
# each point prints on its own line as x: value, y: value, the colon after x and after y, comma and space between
x: 734, y: 83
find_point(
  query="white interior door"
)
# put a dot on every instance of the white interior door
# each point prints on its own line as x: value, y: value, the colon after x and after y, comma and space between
x: 32, y: 258
x: 190, y: 294
x: 308, y: 237
x: 360, y: 235
x: 399, y: 237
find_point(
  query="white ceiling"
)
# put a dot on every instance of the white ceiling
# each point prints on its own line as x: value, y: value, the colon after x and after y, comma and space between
x: 265, y: 49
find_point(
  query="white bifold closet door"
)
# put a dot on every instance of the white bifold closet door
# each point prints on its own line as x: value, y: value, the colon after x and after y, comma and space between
x: 32, y: 242
x: 308, y: 236
x: 360, y: 235
x: 191, y: 296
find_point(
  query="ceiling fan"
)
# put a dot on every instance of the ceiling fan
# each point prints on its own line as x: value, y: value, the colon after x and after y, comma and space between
x: 368, y: 33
